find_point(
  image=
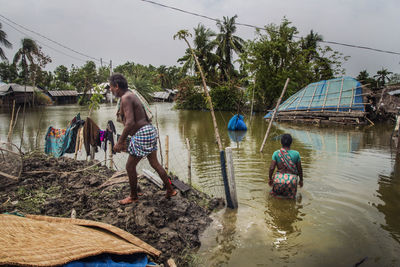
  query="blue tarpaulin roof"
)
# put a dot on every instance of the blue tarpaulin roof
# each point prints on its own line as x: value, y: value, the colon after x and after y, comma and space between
x: 340, y: 94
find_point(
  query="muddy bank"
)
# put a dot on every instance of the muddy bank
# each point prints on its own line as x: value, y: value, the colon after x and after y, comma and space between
x: 55, y: 187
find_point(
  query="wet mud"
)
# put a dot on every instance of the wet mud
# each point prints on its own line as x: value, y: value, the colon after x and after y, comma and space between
x: 59, y: 187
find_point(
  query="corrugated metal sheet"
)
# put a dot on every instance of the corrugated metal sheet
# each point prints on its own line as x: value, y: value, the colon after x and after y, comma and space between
x: 18, y: 88
x: 4, y: 87
x: 161, y: 95
x: 63, y: 93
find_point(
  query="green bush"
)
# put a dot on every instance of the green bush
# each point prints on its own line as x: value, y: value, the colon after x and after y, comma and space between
x: 189, y: 96
x: 42, y: 99
x: 225, y: 97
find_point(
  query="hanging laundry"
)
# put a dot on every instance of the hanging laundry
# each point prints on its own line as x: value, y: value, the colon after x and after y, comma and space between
x: 60, y: 141
x: 109, y: 135
x: 91, y: 135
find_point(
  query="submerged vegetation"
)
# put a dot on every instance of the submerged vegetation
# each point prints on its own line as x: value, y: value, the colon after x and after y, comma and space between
x: 236, y: 70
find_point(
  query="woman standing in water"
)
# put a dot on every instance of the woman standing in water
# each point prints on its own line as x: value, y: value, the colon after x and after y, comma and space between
x: 287, y: 161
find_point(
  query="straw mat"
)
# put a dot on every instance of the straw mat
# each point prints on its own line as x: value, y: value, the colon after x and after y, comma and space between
x: 45, y: 241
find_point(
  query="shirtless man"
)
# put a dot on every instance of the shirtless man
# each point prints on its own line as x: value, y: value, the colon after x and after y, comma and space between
x: 143, y: 142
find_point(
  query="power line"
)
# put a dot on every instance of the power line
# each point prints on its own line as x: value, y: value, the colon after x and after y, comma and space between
x: 66, y: 47
x: 262, y: 28
x: 83, y: 60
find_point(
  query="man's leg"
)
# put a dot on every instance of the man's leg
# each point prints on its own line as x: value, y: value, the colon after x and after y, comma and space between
x: 131, y: 170
x: 152, y: 157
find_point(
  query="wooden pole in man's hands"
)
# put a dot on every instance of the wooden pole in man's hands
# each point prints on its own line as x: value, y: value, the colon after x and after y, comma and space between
x: 273, y: 114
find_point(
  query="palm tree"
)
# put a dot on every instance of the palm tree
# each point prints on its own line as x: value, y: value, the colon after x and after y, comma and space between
x: 203, y: 47
x: 27, y: 52
x: 163, y: 77
x: 3, y: 41
x: 226, y: 43
x: 382, y: 76
x: 310, y: 43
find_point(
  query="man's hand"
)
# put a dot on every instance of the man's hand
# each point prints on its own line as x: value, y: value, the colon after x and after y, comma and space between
x: 119, y: 147
x: 301, y: 183
x: 270, y: 181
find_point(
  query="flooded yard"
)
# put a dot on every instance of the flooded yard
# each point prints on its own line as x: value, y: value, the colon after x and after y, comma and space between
x: 348, y: 211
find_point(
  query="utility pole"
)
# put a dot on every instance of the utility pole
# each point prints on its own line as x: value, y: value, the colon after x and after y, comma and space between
x: 111, y: 72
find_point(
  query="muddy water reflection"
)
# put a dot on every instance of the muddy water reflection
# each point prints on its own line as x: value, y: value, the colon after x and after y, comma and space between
x: 348, y: 209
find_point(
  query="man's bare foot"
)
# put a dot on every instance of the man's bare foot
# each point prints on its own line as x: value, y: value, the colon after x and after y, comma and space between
x: 171, y: 194
x: 128, y: 200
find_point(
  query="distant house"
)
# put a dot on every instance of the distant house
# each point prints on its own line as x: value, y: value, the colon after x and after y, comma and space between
x: 165, y: 96
x: 104, y: 90
x: 63, y: 96
x: 18, y: 93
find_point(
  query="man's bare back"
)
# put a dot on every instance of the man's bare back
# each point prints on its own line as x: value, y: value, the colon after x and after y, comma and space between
x: 132, y: 110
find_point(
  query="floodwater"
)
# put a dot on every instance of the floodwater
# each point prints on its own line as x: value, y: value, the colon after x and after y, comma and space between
x: 348, y: 211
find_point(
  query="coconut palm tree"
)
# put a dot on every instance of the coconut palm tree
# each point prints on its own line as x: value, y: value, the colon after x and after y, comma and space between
x: 25, y: 55
x: 5, y: 42
x: 382, y: 76
x: 227, y: 43
x: 203, y: 47
x: 310, y: 43
x: 163, y: 77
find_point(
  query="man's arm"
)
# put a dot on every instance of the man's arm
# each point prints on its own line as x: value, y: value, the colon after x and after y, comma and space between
x: 127, y: 107
x: 271, y: 171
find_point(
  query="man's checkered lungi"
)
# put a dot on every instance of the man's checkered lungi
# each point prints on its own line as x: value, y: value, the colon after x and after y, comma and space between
x: 143, y: 142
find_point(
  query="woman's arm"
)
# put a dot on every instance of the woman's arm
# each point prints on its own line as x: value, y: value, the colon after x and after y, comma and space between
x: 300, y: 171
x: 271, y: 172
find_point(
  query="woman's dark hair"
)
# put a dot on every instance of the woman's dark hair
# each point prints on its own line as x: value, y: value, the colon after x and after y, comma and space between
x: 118, y: 78
x: 286, y: 140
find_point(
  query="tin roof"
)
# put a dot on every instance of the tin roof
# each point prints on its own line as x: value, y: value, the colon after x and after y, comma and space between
x: 63, y: 93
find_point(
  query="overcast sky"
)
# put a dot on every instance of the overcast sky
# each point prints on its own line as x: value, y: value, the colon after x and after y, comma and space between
x: 133, y: 30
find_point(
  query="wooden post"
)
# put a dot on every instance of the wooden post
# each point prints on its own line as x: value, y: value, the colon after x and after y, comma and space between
x: 203, y: 79
x: 110, y: 154
x: 312, y: 98
x: 105, y: 156
x: 378, y: 107
x: 252, y: 100
x: 231, y: 176
x: 301, y: 98
x: 189, y: 163
x: 326, y: 96
x: 159, y: 139
x: 273, y: 114
x: 92, y: 152
x: 340, y: 95
x: 166, y: 152
x: 10, y: 130
x: 77, y: 140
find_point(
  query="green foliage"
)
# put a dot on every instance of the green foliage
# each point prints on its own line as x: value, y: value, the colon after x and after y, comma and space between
x: 226, y: 97
x: 227, y: 43
x: 275, y: 56
x: 395, y: 78
x: 364, y: 78
x: 382, y: 75
x: 190, y: 97
x: 8, y: 72
x: 272, y: 58
x: 83, y: 78
x: 103, y: 74
x: 30, y: 61
x: 143, y: 79
x: 42, y: 99
x: 3, y: 41
x: 96, y: 98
